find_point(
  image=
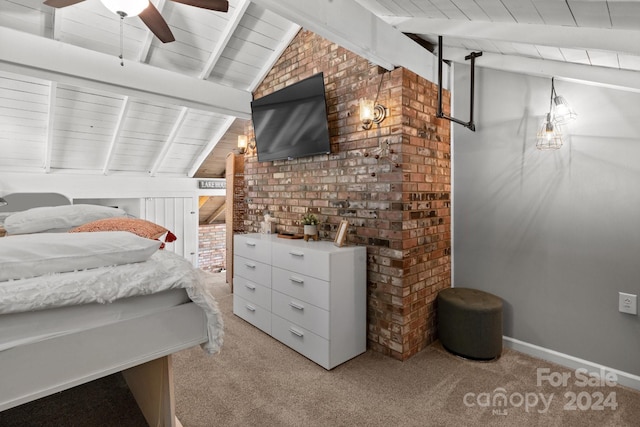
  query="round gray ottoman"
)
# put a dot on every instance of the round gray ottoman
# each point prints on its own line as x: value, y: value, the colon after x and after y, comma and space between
x: 470, y: 323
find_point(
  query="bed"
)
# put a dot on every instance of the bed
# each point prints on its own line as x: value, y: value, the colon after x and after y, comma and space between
x: 59, y: 329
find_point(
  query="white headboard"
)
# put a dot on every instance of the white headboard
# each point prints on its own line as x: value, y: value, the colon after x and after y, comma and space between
x: 22, y: 201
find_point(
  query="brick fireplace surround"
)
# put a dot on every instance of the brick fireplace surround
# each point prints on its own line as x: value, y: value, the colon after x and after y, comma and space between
x: 392, y: 183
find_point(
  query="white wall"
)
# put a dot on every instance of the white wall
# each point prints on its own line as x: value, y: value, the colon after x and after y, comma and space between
x: 555, y: 234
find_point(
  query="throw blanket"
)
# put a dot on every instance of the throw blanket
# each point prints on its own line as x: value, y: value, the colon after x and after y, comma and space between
x: 164, y: 270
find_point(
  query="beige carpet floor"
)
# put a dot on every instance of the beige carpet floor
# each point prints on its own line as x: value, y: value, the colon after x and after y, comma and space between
x: 256, y: 381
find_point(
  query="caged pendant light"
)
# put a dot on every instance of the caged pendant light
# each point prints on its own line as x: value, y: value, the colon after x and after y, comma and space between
x: 549, y: 135
x: 562, y: 111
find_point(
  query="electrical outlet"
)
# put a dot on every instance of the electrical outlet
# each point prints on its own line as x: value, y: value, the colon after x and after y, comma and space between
x: 627, y: 303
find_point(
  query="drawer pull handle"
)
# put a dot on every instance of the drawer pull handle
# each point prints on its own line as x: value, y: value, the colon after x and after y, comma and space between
x: 296, y: 280
x: 296, y: 306
x: 250, y: 307
x: 250, y: 265
x: 250, y: 286
x: 296, y: 332
x: 252, y: 244
x: 298, y: 254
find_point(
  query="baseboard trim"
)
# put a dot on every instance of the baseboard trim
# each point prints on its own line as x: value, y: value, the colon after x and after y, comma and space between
x: 624, y: 378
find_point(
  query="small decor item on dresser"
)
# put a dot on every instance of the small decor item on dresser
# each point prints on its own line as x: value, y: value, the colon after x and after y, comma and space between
x: 310, y: 222
x: 287, y: 235
x: 341, y: 234
x: 268, y: 226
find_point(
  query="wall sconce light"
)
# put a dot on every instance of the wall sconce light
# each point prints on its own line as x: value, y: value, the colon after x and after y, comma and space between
x: 242, y: 143
x: 371, y: 113
x: 246, y: 145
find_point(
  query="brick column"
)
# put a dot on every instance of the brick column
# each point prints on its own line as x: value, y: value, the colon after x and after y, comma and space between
x: 391, y: 182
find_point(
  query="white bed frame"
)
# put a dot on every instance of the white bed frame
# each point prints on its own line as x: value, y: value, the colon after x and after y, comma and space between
x: 141, y: 348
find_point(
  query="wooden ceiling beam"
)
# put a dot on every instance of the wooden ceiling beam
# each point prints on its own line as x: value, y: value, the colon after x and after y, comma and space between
x: 586, y: 74
x: 228, y: 32
x: 124, y: 109
x: 32, y: 55
x: 602, y: 39
x: 275, y: 55
x: 51, y: 112
x: 167, y: 144
x: 356, y: 28
x: 209, y: 147
x: 217, y: 213
x: 202, y: 200
x: 143, y: 56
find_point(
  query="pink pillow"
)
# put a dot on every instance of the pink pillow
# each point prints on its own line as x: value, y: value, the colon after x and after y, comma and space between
x: 137, y: 226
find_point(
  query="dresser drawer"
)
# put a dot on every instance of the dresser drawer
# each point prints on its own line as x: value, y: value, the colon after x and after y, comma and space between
x: 252, y: 292
x: 254, y: 271
x: 302, y: 259
x: 252, y: 313
x: 301, y: 340
x: 252, y: 247
x: 300, y: 286
x: 301, y: 313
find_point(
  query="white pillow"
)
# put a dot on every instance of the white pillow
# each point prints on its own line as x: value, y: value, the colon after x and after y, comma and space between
x: 38, y: 220
x: 32, y: 255
x: 4, y: 215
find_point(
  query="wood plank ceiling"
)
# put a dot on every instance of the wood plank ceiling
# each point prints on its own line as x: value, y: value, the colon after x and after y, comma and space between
x: 66, y: 105
x: 596, y: 33
x: 49, y: 126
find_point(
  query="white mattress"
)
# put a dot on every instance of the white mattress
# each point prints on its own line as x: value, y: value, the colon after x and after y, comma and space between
x: 162, y: 272
x: 28, y: 327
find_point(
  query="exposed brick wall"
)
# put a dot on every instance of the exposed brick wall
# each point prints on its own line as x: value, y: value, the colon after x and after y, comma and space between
x: 392, y: 183
x: 211, y: 247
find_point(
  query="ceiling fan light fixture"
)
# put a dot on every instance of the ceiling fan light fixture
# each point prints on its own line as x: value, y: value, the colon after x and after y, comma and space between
x: 128, y: 7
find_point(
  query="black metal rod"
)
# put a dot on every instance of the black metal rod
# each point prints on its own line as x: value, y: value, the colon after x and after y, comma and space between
x: 453, y: 119
x: 472, y: 126
x: 439, y: 111
x: 472, y: 56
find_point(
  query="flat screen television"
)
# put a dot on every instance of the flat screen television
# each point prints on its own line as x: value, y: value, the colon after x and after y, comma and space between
x: 292, y: 122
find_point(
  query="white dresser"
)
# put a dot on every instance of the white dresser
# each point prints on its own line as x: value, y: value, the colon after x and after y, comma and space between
x: 311, y: 295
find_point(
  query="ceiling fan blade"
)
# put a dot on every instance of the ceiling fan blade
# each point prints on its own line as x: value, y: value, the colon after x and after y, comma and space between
x: 217, y: 5
x: 156, y: 23
x: 61, y: 3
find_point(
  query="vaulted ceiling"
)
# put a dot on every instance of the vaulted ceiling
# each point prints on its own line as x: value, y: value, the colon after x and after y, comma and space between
x: 70, y: 106
x: 67, y: 105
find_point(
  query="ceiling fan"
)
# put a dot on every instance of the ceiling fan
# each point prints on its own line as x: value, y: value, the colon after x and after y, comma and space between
x: 147, y: 12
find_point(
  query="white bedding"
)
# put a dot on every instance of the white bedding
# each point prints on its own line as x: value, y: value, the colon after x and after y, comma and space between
x: 164, y: 270
x: 3, y: 216
x: 33, y: 326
